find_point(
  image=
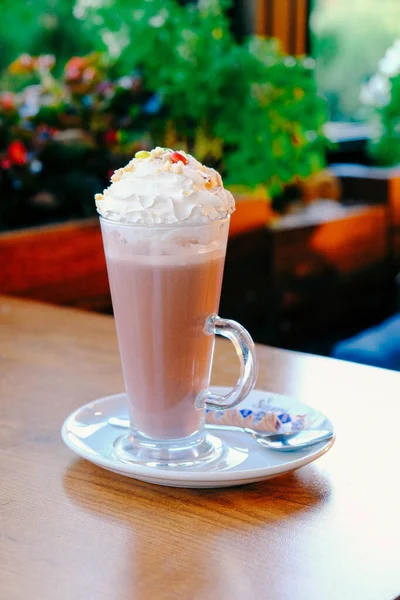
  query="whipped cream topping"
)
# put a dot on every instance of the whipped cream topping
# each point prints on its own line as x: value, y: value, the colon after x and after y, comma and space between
x: 163, y: 186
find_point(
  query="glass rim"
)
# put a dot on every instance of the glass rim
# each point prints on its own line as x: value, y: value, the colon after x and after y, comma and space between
x: 178, y: 225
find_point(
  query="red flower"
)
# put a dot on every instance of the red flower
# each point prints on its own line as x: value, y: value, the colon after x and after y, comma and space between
x: 111, y: 137
x: 7, y: 102
x: 5, y: 163
x: 17, y: 153
x: 75, y: 67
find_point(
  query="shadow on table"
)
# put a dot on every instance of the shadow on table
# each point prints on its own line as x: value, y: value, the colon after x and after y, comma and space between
x: 294, y: 492
x: 213, y: 541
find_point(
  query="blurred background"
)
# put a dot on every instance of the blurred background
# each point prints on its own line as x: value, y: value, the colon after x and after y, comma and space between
x: 296, y: 102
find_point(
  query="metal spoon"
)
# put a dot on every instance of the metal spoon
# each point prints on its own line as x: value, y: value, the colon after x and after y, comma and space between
x: 290, y: 442
x: 282, y: 442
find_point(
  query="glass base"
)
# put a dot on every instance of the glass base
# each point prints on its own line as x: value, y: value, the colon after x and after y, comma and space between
x: 187, y: 452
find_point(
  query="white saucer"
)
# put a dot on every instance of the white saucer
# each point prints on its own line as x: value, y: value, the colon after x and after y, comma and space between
x: 88, y: 433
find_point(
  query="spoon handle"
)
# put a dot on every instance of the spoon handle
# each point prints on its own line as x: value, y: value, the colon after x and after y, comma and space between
x: 286, y: 442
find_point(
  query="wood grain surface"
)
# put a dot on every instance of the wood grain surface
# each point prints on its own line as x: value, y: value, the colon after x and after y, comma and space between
x: 69, y: 529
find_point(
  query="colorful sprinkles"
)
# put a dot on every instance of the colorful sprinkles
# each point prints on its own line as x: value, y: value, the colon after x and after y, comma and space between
x: 168, y: 161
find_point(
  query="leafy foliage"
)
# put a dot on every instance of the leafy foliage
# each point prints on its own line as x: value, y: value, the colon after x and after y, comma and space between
x: 41, y: 27
x: 249, y: 108
x: 386, y: 147
x: 382, y: 92
x: 162, y: 74
x: 348, y: 38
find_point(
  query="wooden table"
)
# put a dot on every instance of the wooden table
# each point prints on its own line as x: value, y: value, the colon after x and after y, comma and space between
x: 71, y: 530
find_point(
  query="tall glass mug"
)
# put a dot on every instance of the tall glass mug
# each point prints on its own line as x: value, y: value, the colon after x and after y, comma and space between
x: 165, y: 285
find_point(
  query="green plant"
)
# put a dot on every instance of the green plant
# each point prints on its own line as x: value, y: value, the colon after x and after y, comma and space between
x: 382, y: 92
x: 162, y: 74
x: 348, y: 38
x: 250, y: 109
x: 62, y: 137
x: 41, y: 27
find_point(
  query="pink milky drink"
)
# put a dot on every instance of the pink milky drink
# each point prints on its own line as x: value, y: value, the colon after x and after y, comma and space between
x: 165, y: 284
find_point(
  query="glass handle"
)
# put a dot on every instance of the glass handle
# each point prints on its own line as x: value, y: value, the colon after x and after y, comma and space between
x: 245, y: 350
